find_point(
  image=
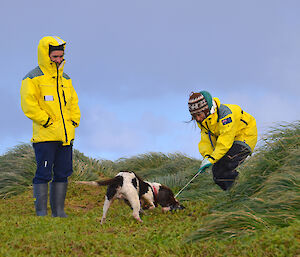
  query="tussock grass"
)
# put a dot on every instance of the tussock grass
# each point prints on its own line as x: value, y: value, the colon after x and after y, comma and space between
x: 217, y: 225
x: 85, y: 169
x: 268, y: 187
x: 151, y: 164
x: 17, y: 168
x: 172, y: 170
x: 259, y: 216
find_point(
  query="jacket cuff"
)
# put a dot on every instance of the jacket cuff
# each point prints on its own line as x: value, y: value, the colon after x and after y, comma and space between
x: 212, y: 159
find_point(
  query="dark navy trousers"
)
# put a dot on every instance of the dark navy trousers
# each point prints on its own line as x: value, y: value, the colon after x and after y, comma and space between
x: 54, y: 162
x: 224, y: 172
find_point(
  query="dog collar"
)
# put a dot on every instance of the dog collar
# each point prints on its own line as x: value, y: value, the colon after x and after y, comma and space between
x: 154, y: 190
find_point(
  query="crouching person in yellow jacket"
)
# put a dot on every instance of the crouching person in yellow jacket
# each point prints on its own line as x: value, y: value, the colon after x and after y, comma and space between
x: 50, y: 101
x: 228, y: 136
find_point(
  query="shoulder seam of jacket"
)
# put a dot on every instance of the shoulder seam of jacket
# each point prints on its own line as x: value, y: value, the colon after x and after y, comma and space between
x: 224, y: 111
x: 66, y: 76
x: 36, y: 72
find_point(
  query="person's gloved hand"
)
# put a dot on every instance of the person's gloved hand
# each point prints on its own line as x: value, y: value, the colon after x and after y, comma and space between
x: 205, y: 164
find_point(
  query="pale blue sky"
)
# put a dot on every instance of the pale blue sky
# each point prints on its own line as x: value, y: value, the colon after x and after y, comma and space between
x: 134, y: 63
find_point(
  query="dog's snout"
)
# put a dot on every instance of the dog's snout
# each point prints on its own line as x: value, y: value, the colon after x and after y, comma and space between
x: 177, y: 207
x: 181, y: 207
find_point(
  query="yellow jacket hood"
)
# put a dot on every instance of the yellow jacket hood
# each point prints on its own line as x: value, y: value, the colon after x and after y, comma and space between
x: 46, y: 65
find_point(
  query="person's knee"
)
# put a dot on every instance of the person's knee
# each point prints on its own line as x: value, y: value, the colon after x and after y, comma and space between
x: 62, y: 176
x: 64, y: 180
x: 221, y: 184
x: 42, y: 177
x: 37, y: 180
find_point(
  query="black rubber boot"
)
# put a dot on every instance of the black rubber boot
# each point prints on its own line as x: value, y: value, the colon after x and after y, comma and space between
x: 40, y: 194
x: 233, y: 175
x: 58, y: 191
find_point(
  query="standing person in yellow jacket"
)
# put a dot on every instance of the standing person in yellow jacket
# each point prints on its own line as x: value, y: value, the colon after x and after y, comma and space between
x: 50, y: 101
x: 228, y: 136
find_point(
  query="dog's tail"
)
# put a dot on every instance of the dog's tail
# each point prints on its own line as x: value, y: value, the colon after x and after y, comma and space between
x: 115, y: 180
x: 91, y: 183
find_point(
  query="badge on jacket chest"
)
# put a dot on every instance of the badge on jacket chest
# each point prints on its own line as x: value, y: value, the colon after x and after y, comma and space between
x: 226, y: 121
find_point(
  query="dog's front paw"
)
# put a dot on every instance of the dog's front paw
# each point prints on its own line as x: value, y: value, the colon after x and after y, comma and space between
x: 139, y: 220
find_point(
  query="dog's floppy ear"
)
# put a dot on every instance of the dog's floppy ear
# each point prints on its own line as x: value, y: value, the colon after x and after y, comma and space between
x: 165, y: 197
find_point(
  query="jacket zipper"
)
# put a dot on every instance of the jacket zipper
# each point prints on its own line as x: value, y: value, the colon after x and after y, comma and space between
x: 209, y: 134
x: 57, y: 86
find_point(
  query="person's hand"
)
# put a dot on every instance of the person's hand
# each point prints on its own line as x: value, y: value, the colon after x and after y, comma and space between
x: 205, y: 164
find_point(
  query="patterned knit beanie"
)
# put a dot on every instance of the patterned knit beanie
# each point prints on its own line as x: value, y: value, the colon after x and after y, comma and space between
x: 200, y: 102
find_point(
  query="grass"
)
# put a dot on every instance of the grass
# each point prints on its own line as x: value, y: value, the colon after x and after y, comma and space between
x: 24, y: 234
x: 268, y: 191
x: 260, y: 216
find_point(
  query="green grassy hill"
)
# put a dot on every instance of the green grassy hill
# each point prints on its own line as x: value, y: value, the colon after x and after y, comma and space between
x: 260, y: 216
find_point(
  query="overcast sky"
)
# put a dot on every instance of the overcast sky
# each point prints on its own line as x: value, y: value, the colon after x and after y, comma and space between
x: 134, y: 63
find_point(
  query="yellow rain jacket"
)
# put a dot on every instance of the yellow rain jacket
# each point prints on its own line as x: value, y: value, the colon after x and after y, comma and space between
x: 49, y: 99
x: 228, y: 124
